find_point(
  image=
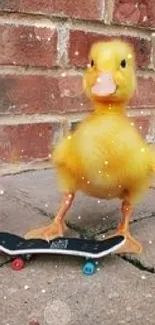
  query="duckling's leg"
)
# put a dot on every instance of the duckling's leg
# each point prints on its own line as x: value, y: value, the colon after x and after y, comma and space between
x: 131, y: 245
x: 57, y: 227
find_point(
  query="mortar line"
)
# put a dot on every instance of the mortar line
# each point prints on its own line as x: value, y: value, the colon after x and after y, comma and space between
x: 45, y: 20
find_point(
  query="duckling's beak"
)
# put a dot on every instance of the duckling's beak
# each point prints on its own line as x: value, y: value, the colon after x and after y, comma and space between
x: 104, y: 85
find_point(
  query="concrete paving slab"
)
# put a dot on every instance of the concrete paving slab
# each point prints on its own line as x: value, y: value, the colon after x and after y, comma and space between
x: 54, y: 291
x: 17, y: 216
x: 144, y: 230
x: 38, y: 190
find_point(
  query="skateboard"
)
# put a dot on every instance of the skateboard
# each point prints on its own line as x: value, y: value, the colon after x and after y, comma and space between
x: 21, y: 249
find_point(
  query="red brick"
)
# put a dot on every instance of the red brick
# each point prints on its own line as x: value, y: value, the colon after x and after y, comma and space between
x: 81, y: 41
x: 40, y: 94
x: 26, y: 142
x: 28, y: 94
x: 27, y: 45
x: 142, y: 123
x: 84, y: 9
x: 135, y: 12
x: 144, y: 96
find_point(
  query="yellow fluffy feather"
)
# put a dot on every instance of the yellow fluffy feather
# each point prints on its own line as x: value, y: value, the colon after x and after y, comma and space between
x: 105, y: 156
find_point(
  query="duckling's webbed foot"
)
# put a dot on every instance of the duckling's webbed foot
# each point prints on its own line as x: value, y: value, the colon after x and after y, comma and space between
x: 58, y: 227
x: 131, y: 245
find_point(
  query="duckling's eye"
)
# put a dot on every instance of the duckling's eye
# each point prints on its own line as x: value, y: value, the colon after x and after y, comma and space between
x: 92, y: 63
x: 123, y: 63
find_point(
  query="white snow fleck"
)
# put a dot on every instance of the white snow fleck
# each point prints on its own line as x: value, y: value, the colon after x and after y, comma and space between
x: 145, y: 18
x: 38, y: 37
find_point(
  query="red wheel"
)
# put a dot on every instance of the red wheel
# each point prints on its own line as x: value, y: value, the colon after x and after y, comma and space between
x: 17, y: 264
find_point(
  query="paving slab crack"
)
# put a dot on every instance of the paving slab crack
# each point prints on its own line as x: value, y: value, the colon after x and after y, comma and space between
x: 138, y: 264
x: 5, y: 262
x: 113, y: 227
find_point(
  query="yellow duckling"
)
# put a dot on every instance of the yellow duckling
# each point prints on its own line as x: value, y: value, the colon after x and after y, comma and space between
x: 105, y: 157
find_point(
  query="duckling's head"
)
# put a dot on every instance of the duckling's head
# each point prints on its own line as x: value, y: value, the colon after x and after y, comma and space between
x: 110, y: 75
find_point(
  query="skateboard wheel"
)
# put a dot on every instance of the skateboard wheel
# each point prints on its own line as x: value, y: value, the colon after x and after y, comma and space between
x: 89, y: 268
x: 17, y: 264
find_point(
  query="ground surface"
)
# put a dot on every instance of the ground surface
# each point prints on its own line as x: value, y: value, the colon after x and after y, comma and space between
x: 52, y: 290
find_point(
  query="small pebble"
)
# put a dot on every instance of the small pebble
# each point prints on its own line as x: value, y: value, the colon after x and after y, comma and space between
x: 149, y: 295
x: 43, y: 290
x: 26, y: 287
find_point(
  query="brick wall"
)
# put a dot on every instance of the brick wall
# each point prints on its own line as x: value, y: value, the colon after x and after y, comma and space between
x: 43, y: 50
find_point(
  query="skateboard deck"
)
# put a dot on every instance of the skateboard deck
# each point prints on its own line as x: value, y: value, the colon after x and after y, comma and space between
x: 14, y: 245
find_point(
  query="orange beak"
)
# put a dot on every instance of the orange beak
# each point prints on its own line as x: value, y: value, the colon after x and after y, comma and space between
x: 104, y: 85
